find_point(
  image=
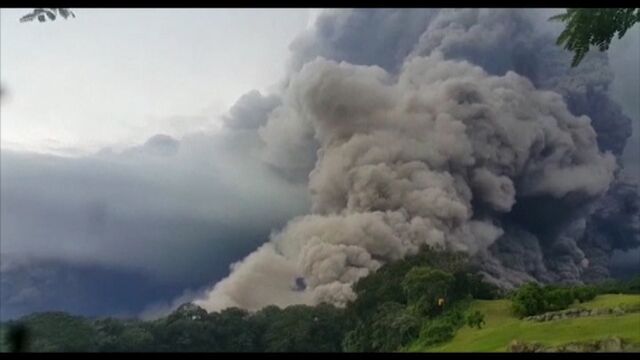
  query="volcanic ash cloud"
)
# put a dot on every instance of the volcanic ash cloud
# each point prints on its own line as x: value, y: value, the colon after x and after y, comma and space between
x: 403, y: 161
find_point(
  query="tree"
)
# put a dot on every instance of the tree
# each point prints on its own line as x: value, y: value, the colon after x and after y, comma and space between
x: 390, y: 328
x: 468, y: 283
x: 529, y: 300
x: 43, y: 13
x: 234, y: 328
x: 424, y: 286
x: 593, y: 27
x: 301, y: 328
x: 59, y: 332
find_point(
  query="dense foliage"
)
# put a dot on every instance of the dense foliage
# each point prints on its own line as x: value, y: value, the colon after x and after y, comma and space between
x: 59, y: 332
x: 631, y: 286
x: 533, y: 299
x: 423, y: 298
x: 423, y: 294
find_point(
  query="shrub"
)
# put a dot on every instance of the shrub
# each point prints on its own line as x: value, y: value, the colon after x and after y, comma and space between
x: 584, y: 293
x: 436, y: 332
x: 475, y: 319
x: 557, y: 298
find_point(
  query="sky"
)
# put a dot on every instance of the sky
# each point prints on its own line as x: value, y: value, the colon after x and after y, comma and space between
x: 118, y: 183
x: 116, y: 77
x: 121, y: 96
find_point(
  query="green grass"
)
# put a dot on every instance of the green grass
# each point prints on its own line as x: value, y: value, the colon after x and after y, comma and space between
x: 502, y: 327
x: 610, y: 301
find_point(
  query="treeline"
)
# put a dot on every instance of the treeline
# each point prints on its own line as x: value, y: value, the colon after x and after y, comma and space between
x: 189, y: 329
x: 534, y: 299
x: 424, y: 298
x: 425, y: 295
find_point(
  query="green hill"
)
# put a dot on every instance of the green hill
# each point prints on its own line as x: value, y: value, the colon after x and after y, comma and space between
x: 502, y: 327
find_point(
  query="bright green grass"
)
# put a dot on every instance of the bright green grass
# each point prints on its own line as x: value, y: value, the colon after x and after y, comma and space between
x: 502, y: 327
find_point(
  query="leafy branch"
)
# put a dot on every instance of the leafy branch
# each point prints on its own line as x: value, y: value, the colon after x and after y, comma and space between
x: 593, y: 27
x: 43, y: 13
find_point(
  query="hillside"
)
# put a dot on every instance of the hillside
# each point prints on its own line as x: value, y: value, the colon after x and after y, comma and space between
x: 502, y: 327
x: 422, y: 303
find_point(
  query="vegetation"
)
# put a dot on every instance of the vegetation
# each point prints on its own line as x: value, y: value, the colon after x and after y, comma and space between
x: 533, y: 299
x: 631, y: 286
x: 60, y: 332
x: 442, y: 328
x: 594, y: 27
x: 420, y: 303
x: 424, y: 294
x: 503, y: 327
x: 475, y: 319
x: 43, y: 13
x: 608, y: 301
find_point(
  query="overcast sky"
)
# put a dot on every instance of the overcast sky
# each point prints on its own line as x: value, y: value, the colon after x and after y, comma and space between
x: 158, y: 219
x: 111, y: 77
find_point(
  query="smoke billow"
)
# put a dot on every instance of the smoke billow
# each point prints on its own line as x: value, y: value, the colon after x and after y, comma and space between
x: 459, y: 129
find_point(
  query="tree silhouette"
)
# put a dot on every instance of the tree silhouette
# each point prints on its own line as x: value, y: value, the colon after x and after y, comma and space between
x: 593, y: 27
x: 51, y: 13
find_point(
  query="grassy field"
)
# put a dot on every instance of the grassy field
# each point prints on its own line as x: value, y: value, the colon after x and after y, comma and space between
x: 502, y: 327
x: 610, y: 301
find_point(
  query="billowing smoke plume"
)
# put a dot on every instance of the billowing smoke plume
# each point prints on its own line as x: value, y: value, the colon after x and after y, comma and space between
x: 460, y: 129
